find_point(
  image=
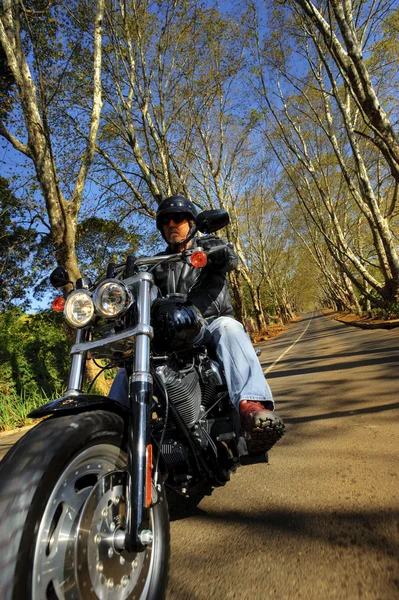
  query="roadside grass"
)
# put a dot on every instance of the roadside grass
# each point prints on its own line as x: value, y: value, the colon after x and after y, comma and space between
x: 14, y: 408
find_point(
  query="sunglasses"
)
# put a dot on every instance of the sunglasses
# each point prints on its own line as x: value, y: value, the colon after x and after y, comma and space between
x: 176, y: 218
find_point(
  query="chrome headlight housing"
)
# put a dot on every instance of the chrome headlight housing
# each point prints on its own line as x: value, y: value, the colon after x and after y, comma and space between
x: 111, y: 299
x: 79, y: 308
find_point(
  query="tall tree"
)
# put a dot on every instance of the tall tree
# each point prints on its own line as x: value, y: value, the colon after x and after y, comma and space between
x: 331, y: 135
x: 37, y: 58
x: 6, y: 86
x: 164, y: 66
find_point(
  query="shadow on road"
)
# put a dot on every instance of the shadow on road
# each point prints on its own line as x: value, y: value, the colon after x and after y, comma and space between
x: 362, y: 529
x: 336, y: 534
x: 342, y: 413
x: 307, y: 369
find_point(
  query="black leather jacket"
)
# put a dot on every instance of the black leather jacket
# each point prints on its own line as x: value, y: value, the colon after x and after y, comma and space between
x: 206, y: 287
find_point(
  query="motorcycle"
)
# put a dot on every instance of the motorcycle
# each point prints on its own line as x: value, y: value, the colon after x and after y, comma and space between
x: 85, y: 493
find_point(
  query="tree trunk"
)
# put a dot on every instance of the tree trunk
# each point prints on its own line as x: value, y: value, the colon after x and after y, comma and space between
x: 258, y: 310
x: 240, y: 311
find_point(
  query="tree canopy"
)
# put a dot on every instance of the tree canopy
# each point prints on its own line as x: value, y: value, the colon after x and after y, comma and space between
x: 285, y: 114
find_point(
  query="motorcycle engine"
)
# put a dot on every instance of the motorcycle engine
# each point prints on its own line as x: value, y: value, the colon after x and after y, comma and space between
x: 192, y: 389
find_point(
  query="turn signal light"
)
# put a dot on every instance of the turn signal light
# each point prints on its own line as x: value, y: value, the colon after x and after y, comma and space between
x: 58, y: 304
x: 198, y: 259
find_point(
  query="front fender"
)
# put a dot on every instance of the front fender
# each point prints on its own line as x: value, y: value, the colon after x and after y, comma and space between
x: 73, y: 404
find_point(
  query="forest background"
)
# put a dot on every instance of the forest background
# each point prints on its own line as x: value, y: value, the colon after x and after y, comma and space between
x: 284, y: 113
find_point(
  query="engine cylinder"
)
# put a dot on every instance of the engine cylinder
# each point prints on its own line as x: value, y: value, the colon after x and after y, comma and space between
x: 185, y: 393
x: 208, y: 392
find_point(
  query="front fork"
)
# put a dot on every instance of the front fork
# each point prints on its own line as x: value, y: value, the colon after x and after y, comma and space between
x: 140, y: 397
x: 75, y: 382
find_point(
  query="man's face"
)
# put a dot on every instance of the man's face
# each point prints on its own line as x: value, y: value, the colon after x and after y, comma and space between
x: 175, y: 228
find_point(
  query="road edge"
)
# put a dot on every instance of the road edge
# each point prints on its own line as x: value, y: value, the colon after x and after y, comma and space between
x: 364, y: 325
x: 17, y: 430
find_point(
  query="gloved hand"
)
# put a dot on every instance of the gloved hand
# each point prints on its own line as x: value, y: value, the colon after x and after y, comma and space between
x: 218, y: 252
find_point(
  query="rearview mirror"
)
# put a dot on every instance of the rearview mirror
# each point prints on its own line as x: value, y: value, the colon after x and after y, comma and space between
x: 59, y: 277
x: 210, y: 221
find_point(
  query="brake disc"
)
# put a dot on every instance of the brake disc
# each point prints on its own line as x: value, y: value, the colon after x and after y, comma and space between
x: 101, y: 570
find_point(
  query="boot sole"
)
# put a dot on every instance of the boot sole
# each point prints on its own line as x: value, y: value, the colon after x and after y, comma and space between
x: 265, y: 436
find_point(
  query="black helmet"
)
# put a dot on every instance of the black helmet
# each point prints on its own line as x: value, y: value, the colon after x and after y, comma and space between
x: 172, y: 205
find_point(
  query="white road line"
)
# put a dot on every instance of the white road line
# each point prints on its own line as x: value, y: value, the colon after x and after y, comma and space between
x: 288, y: 349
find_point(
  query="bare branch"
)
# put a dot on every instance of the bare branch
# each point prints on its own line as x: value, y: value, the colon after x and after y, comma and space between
x: 14, y: 141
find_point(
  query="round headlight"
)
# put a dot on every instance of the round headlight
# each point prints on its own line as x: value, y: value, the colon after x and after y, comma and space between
x: 111, y: 299
x: 79, y: 308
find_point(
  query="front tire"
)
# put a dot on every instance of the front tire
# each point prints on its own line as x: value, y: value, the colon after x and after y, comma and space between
x: 47, y: 479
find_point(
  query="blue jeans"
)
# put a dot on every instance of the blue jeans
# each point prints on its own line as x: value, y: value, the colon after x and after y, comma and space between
x: 234, y: 350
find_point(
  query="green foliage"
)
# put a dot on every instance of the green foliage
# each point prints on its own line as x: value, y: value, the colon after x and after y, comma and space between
x: 17, y: 239
x: 14, y: 409
x: 392, y: 312
x: 34, y: 354
x: 389, y: 312
x: 34, y: 363
x: 100, y: 241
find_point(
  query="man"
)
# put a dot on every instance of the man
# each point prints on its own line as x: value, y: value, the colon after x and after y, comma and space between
x: 207, y: 288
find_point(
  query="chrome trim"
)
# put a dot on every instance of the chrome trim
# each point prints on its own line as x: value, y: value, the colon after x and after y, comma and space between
x: 154, y: 260
x: 141, y: 377
x: 142, y: 354
x: 70, y: 393
x: 159, y: 258
x: 78, y: 364
x: 137, y: 278
x: 118, y: 337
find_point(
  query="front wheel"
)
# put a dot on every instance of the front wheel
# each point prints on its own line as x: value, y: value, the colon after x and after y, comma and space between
x: 62, y: 503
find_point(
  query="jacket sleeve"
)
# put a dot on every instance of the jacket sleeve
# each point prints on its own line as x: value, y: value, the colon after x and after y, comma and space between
x: 225, y: 259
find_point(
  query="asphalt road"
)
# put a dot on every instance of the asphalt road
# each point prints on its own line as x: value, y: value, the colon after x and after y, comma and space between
x: 321, y: 521
x: 8, y: 440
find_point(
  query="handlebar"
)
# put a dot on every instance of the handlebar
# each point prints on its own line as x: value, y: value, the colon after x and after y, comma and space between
x: 153, y: 261
x: 185, y: 255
